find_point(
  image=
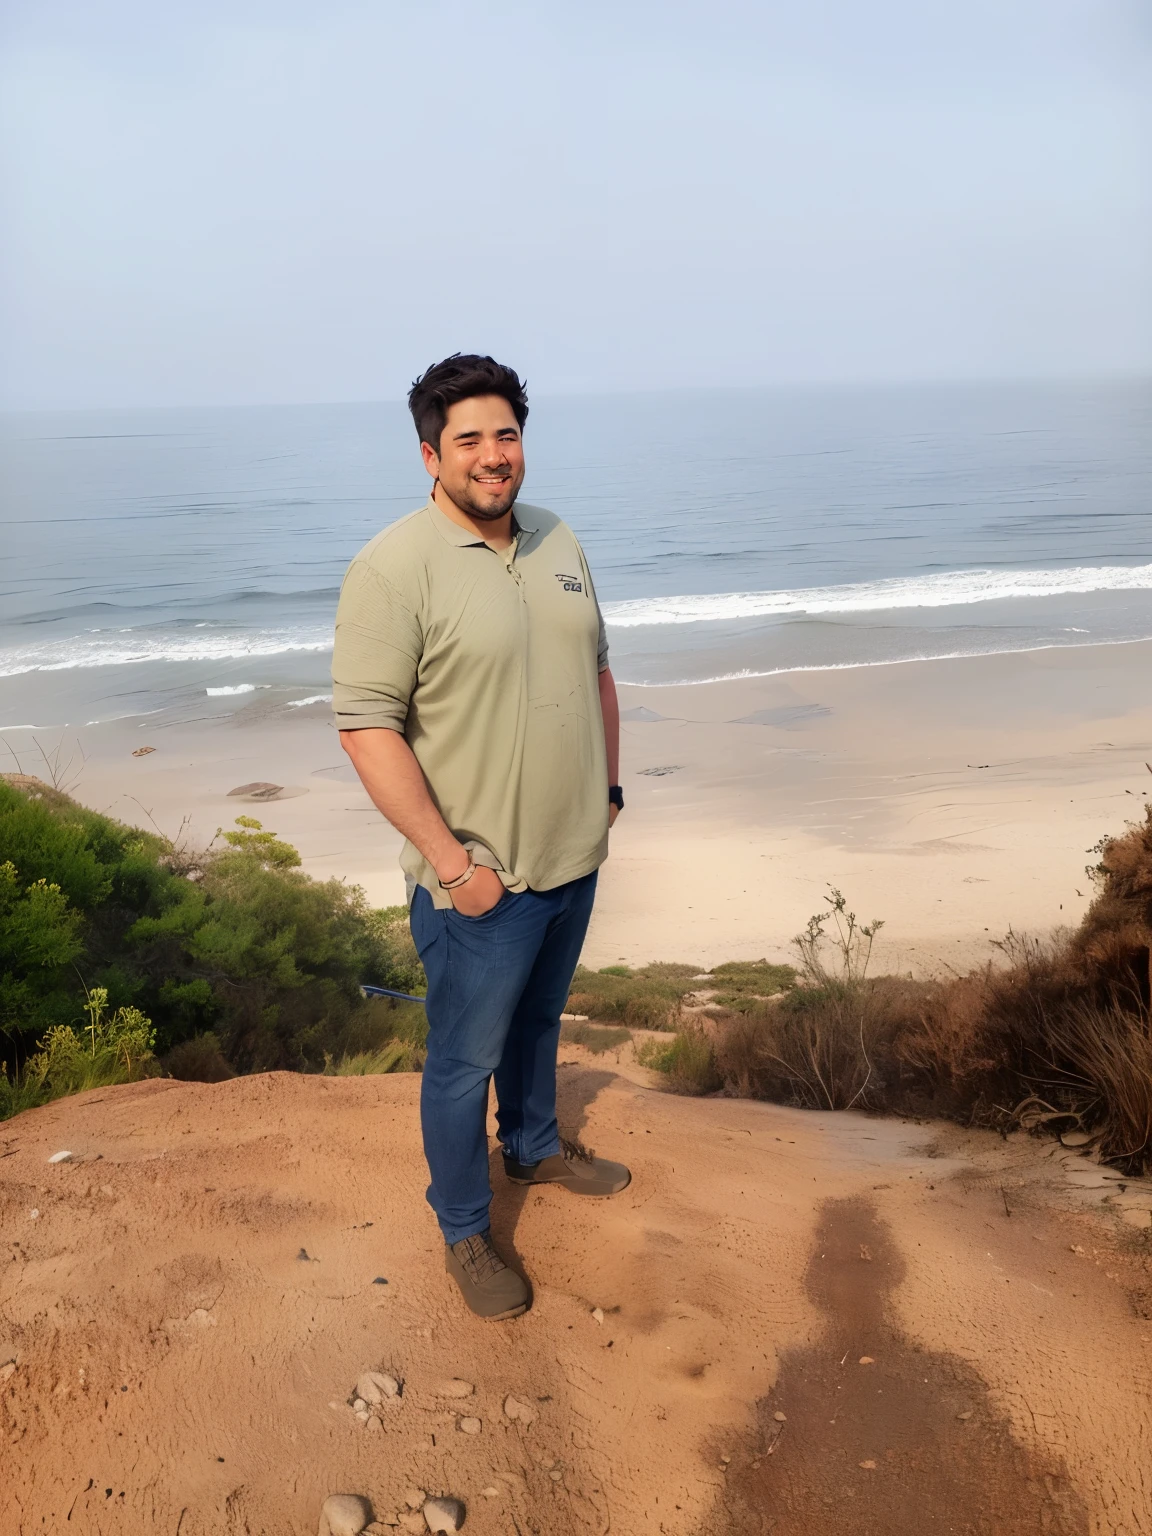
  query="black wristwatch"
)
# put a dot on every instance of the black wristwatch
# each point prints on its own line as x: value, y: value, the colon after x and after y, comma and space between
x: 616, y: 796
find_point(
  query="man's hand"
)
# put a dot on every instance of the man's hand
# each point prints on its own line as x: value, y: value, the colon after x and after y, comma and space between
x: 613, y: 812
x: 480, y: 894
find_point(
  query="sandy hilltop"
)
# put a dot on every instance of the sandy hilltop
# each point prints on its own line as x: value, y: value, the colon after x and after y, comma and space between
x: 791, y: 1322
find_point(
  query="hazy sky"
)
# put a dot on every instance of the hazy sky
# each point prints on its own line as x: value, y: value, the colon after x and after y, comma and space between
x: 218, y: 201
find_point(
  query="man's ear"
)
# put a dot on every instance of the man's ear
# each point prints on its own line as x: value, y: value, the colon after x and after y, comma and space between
x: 431, y: 459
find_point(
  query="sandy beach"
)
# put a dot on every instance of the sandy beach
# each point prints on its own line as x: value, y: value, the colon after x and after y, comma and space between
x: 952, y: 799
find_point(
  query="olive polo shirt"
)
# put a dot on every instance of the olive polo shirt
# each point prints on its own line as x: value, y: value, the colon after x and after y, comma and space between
x: 487, y: 662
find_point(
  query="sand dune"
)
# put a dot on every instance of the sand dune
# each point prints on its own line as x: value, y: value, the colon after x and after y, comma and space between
x: 187, y: 1304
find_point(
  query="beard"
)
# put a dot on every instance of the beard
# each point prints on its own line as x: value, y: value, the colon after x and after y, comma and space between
x: 485, y: 511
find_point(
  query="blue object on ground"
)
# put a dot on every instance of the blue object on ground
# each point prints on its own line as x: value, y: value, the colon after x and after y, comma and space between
x: 405, y: 997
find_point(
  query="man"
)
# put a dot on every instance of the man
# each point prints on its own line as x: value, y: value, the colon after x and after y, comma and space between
x: 472, y: 693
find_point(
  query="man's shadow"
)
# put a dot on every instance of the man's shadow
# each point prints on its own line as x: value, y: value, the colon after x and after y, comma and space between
x: 577, y: 1087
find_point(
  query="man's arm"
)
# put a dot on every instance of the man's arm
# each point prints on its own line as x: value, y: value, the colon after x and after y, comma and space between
x: 610, y: 709
x: 393, y: 778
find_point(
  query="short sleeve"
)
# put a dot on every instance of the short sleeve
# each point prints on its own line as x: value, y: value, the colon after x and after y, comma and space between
x: 601, y: 632
x: 375, y: 655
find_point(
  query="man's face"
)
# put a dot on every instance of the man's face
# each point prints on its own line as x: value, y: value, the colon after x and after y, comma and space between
x: 481, y: 458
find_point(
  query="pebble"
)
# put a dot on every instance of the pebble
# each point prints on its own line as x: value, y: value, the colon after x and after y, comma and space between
x: 867, y: 1466
x: 455, y: 1388
x: 867, y: 1360
x: 598, y: 1315
x: 556, y: 1476
x: 519, y: 1412
x: 359, y: 1405
x: 445, y: 1515
x: 344, y: 1514
x: 781, y: 1418
x: 967, y: 1414
x: 376, y: 1387
x: 414, y: 1497
x: 34, y: 1214
x: 373, y: 1422
x: 489, y: 1493
x: 60, y: 1157
x: 469, y: 1426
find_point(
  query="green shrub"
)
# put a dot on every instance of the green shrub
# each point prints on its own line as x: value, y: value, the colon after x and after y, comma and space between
x: 648, y: 998
x: 687, y: 1060
x: 390, y: 927
x: 234, y: 940
x: 199, y: 1060
x: 742, y: 984
x: 110, y: 1048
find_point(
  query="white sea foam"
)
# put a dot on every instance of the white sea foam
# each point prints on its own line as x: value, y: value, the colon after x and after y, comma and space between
x: 220, y: 693
x: 852, y: 666
x: 316, y: 698
x: 945, y: 590
x: 123, y: 649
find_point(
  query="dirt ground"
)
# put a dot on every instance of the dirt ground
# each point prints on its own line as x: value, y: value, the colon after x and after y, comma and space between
x: 789, y: 1323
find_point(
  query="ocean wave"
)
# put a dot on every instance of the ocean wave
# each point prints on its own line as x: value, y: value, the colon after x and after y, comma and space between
x: 946, y: 590
x: 880, y: 661
x: 122, y: 648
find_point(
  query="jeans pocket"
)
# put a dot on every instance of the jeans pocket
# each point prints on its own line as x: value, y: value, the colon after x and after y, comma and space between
x: 423, y: 921
x: 483, y: 917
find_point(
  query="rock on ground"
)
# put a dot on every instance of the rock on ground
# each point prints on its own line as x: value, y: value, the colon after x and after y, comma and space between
x: 344, y: 1514
x: 518, y: 1412
x: 446, y: 1515
x: 376, y: 1387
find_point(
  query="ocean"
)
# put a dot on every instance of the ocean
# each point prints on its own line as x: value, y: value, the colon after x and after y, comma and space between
x: 180, y: 564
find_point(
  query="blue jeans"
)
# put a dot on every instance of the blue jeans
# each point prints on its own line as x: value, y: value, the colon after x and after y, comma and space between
x: 497, y: 985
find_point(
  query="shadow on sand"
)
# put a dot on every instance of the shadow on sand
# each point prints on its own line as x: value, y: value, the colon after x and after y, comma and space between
x: 904, y: 1445
x: 575, y: 1091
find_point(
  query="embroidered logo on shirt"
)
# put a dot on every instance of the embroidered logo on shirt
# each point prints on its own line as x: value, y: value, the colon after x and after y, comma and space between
x: 570, y: 583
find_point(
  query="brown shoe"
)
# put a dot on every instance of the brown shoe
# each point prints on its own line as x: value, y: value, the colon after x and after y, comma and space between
x: 575, y: 1168
x: 491, y: 1289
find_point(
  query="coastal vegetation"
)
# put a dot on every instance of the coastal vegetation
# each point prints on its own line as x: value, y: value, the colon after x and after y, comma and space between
x: 124, y: 953
x: 1055, y: 1035
x: 233, y: 959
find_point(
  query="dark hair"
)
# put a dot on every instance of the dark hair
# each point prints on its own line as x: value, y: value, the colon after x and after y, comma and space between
x: 462, y: 376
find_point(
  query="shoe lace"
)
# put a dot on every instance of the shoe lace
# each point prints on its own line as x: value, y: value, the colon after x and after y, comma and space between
x: 577, y: 1151
x: 479, y: 1258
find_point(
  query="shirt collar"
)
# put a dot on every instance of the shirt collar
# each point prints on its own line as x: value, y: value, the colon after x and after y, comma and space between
x: 453, y: 533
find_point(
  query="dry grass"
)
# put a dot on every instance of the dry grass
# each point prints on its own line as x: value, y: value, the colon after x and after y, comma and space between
x: 1059, y: 1033
x: 687, y: 1060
